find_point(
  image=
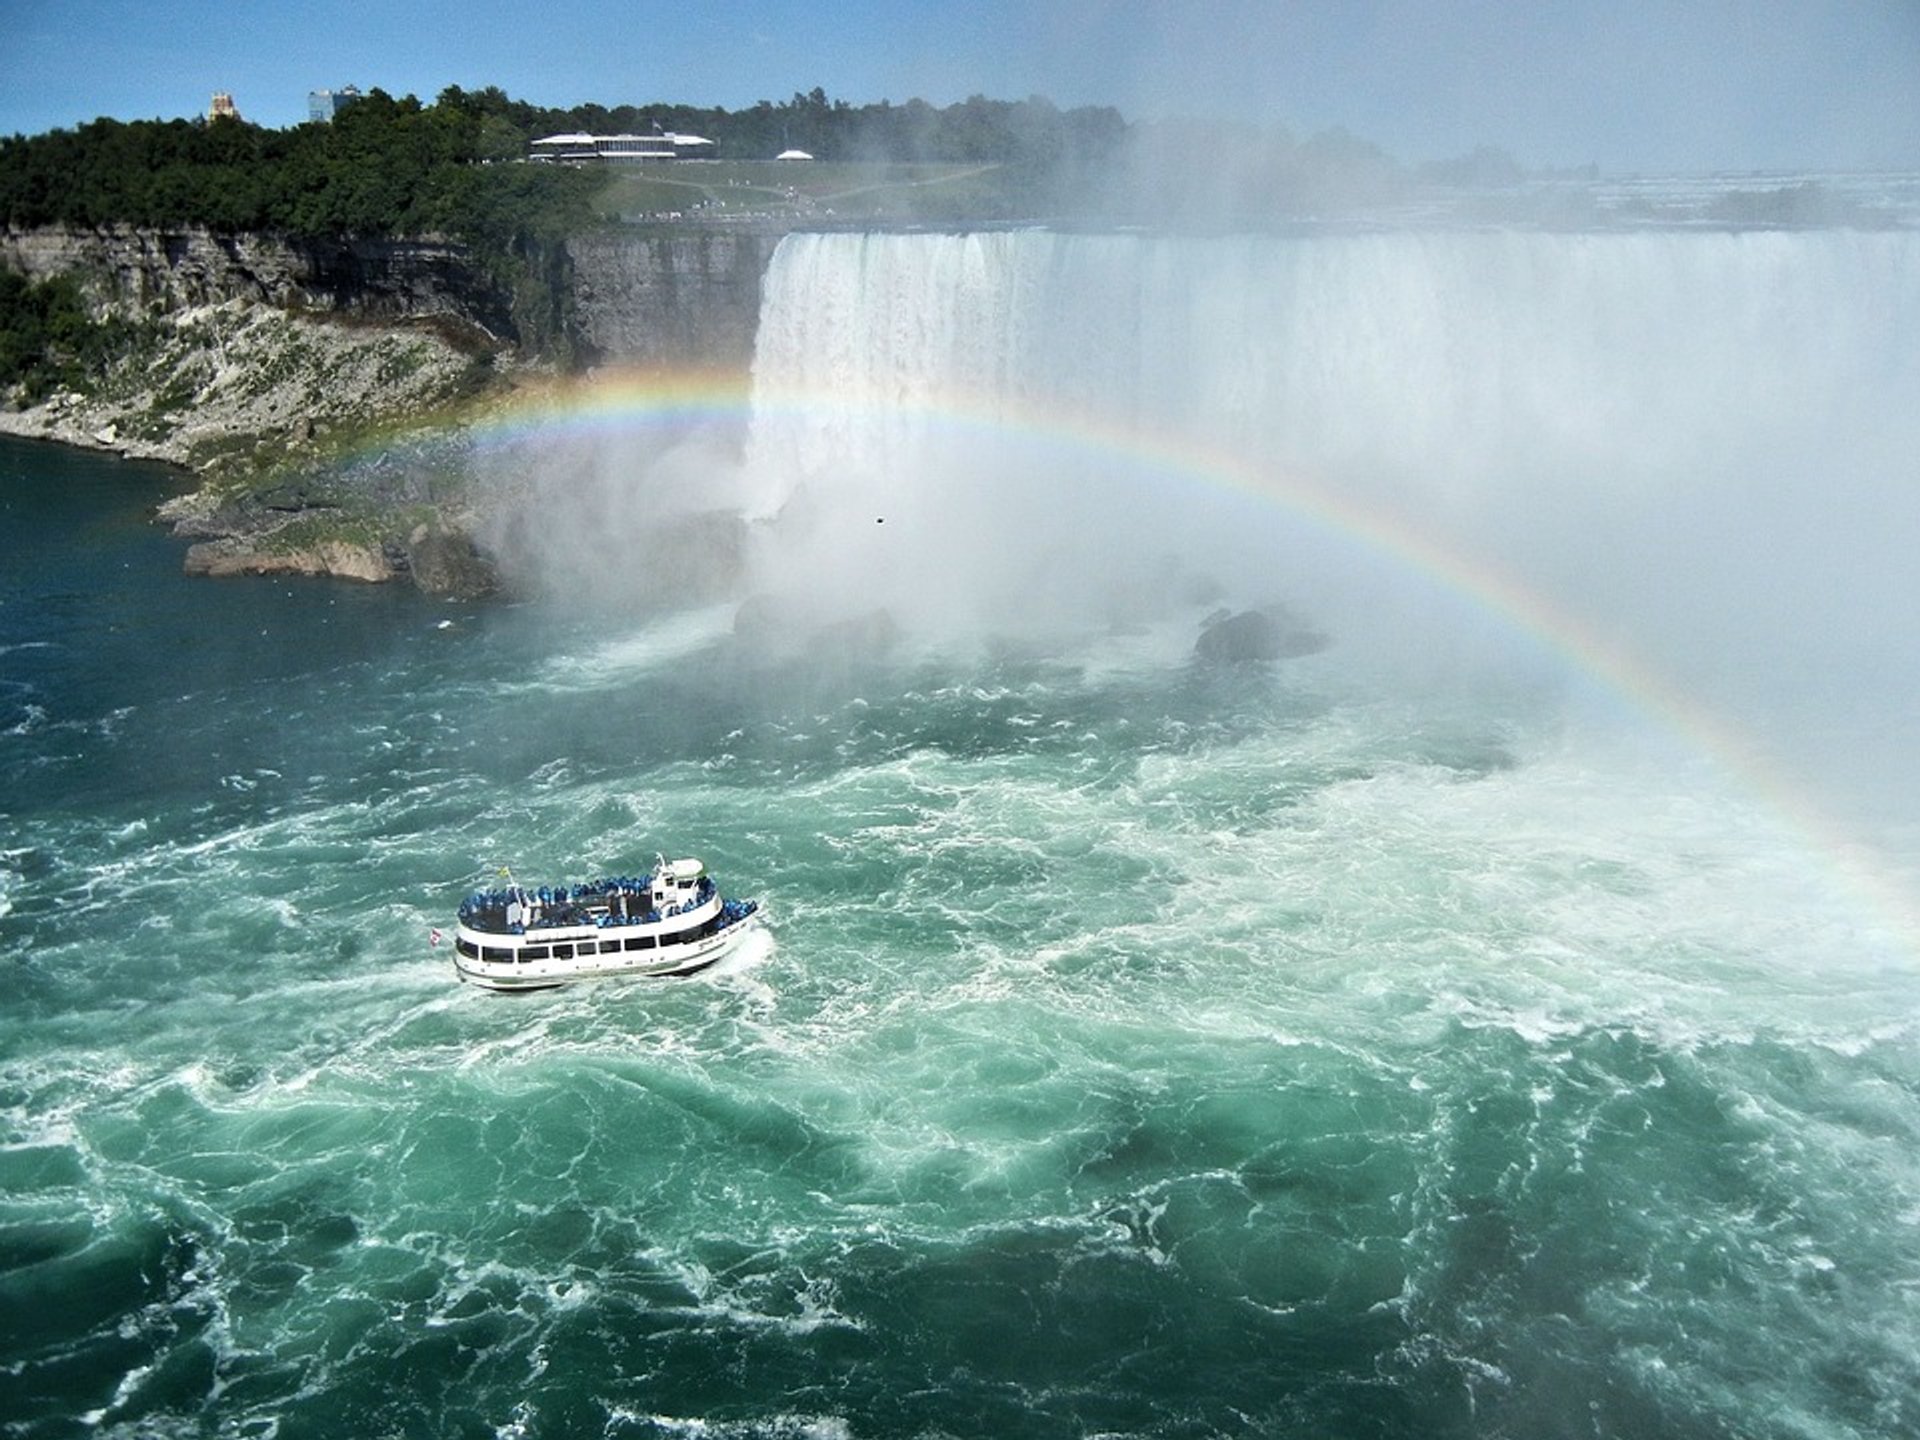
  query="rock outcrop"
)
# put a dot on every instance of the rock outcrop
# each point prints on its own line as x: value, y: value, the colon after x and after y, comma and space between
x: 342, y: 559
x: 240, y: 386
x: 1252, y: 637
x: 667, y: 299
x: 178, y: 269
x: 447, y: 563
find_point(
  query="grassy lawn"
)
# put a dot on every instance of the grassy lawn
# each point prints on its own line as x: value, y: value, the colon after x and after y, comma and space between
x: 805, y: 190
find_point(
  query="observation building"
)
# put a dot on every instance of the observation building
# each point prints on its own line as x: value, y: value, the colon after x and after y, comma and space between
x: 581, y: 148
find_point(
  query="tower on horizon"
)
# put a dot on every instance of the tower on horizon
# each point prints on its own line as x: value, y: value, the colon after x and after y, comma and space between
x: 323, y: 105
x: 222, y: 107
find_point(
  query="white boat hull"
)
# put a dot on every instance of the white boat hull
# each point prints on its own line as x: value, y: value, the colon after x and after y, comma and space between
x: 673, y: 922
x: 549, y: 973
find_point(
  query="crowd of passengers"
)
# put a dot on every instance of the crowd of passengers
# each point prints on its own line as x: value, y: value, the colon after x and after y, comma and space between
x: 599, y: 902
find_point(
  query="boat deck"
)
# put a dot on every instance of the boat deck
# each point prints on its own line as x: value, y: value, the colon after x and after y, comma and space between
x: 598, y: 903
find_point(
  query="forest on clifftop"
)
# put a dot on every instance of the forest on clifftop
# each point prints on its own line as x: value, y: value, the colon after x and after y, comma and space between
x: 386, y: 166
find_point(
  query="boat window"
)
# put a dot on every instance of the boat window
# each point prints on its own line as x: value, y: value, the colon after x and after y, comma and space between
x: 495, y: 952
x: 563, y: 952
x: 534, y: 952
x: 640, y: 942
x: 466, y: 947
x: 608, y: 947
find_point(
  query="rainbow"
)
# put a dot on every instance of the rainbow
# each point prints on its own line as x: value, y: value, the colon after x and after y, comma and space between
x: 672, y: 401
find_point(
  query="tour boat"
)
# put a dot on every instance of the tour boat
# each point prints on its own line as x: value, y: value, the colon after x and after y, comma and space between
x: 671, y: 922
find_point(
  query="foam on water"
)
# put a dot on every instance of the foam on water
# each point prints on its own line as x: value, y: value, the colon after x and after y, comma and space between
x: 659, y: 643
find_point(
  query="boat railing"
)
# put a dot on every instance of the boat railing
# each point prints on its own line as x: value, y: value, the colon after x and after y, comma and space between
x: 599, y: 903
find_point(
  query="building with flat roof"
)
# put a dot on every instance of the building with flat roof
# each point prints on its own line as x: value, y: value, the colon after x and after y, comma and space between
x: 222, y: 107
x: 661, y: 145
x: 323, y: 105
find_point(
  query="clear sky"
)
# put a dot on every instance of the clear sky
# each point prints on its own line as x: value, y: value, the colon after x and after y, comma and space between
x: 1633, y: 85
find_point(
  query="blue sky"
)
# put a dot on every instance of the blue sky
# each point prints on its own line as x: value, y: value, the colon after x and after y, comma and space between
x: 1633, y: 85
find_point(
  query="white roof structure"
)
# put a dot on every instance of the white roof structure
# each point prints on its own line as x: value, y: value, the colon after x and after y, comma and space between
x: 580, y: 145
x: 793, y: 155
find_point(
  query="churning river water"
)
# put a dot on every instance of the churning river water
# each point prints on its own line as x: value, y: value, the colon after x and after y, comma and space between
x: 1333, y: 1048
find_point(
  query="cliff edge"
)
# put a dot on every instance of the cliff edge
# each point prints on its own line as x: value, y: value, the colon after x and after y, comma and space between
x: 267, y: 367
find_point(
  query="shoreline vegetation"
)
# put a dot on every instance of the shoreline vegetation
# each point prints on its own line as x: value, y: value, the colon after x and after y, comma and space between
x: 260, y: 306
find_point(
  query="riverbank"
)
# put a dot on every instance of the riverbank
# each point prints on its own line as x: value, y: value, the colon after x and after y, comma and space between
x: 238, y: 386
x: 264, y: 405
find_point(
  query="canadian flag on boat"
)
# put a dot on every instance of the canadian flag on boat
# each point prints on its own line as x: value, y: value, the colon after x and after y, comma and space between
x: 433, y: 936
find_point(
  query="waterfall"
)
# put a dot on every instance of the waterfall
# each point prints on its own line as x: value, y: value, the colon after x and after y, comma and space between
x: 1714, y: 422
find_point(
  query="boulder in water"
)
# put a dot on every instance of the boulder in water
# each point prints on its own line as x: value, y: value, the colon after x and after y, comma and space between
x: 1253, y: 637
x: 445, y: 563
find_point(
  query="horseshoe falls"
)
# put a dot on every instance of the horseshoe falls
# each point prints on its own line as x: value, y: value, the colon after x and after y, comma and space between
x: 1498, y: 1021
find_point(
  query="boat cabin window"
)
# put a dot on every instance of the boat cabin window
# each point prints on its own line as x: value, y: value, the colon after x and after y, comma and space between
x: 534, y: 952
x: 563, y: 952
x: 466, y: 947
x: 496, y: 952
x: 640, y: 942
x: 608, y: 947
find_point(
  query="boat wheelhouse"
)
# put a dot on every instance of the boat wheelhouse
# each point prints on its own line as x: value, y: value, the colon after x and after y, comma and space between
x: 673, y: 921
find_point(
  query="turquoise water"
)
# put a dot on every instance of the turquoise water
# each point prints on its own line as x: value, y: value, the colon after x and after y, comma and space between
x: 1134, y: 1050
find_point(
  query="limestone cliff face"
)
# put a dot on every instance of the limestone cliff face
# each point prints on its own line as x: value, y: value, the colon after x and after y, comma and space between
x: 660, y: 298
x: 668, y: 299
x: 177, y: 269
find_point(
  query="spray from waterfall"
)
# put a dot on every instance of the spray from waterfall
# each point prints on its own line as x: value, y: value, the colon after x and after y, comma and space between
x: 1695, y: 442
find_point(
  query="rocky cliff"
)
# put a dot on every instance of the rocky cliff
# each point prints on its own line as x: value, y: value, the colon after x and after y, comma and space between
x: 667, y: 299
x: 675, y: 298
x: 180, y: 269
x: 262, y: 357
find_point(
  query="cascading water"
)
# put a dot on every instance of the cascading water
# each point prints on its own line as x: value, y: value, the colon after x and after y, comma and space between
x: 1462, y: 358
x: 1699, y: 444
x: 1143, y: 1048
